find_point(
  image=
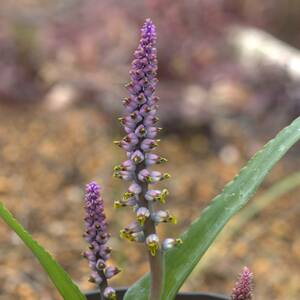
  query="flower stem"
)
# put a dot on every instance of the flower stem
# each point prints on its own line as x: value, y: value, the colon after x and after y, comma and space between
x: 155, y: 261
x: 102, y: 287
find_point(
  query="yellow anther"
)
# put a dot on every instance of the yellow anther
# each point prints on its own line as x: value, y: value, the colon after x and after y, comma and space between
x: 166, y: 176
x: 141, y: 220
x: 117, y: 175
x: 172, y: 219
x: 148, y: 179
x: 136, y: 159
x: 153, y: 247
x: 118, y: 204
x: 178, y: 241
x: 126, y: 235
x: 162, y: 196
x: 117, y: 143
x: 162, y: 160
x: 127, y: 195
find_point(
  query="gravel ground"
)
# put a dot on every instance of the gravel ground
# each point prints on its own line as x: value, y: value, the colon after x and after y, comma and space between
x: 46, y: 158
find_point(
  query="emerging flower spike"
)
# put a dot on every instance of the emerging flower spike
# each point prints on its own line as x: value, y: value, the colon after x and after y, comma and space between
x: 243, y: 287
x: 141, y: 132
x: 97, y: 238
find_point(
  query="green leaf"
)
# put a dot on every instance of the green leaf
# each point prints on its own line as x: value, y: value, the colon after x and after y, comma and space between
x: 62, y: 281
x: 202, y: 232
x: 275, y: 192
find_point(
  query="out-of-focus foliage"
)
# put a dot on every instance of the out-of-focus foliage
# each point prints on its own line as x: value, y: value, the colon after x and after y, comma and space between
x: 64, y: 63
x: 61, y: 280
x: 81, y: 49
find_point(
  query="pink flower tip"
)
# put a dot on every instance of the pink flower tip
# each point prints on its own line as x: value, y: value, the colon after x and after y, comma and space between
x: 243, y: 287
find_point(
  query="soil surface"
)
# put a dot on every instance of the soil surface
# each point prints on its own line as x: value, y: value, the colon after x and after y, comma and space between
x: 46, y: 159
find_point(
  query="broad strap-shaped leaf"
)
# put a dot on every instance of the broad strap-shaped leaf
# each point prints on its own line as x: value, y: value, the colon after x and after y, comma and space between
x: 199, y: 236
x: 62, y: 281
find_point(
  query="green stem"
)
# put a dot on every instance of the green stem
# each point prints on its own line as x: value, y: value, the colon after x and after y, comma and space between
x: 102, y: 285
x: 156, y: 262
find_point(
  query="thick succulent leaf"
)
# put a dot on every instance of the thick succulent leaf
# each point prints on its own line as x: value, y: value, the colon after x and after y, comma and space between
x: 64, y: 284
x: 199, y: 236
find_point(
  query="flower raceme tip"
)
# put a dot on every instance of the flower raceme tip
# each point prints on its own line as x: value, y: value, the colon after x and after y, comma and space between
x: 243, y: 287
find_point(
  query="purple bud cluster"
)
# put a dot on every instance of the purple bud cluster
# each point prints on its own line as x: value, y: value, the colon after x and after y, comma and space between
x: 140, y: 125
x: 97, y: 237
x: 243, y: 287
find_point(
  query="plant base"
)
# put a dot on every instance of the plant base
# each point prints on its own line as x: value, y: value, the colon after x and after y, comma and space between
x: 181, y: 296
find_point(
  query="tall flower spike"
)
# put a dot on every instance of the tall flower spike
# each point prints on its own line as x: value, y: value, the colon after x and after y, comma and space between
x: 140, y: 126
x: 243, y: 287
x: 97, y: 238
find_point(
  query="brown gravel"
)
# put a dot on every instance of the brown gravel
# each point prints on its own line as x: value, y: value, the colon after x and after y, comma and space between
x: 46, y: 158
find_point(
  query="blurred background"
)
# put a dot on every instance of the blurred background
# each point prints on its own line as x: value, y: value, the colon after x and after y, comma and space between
x: 229, y: 76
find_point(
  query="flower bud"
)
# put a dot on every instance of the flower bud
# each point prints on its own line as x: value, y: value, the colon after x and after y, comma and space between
x: 127, y: 165
x: 137, y: 157
x: 152, y: 132
x: 142, y: 214
x: 125, y: 175
x: 141, y: 131
x: 152, y: 159
x: 157, y: 195
x: 152, y: 243
x: 100, y: 265
x: 111, y: 271
x: 109, y: 293
x: 147, y: 110
x: 150, y: 120
x: 152, y: 177
x: 132, y: 236
x: 149, y: 144
x: 135, y: 188
x: 170, y: 243
x: 162, y: 216
x: 132, y: 201
x: 133, y: 227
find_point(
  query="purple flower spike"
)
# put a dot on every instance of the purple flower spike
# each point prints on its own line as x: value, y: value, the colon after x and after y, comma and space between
x: 97, y: 238
x: 141, y: 132
x: 243, y: 287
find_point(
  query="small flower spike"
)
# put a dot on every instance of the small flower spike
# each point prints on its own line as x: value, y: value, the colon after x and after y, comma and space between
x: 140, y: 126
x: 97, y: 238
x: 243, y: 287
